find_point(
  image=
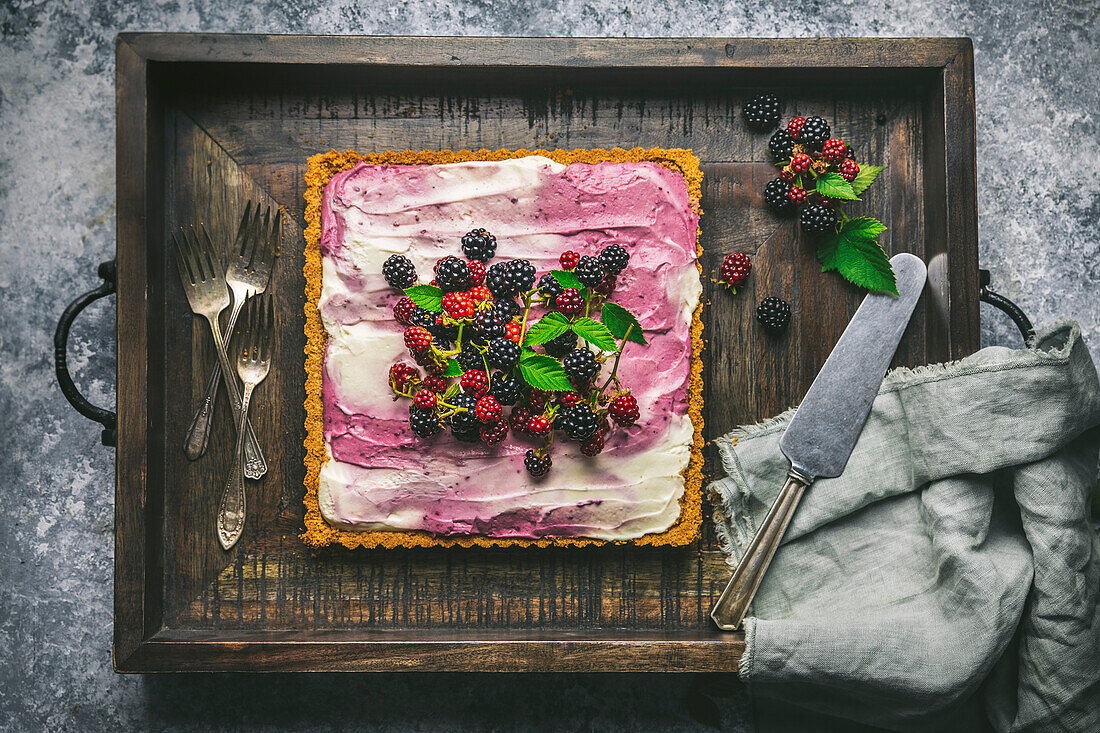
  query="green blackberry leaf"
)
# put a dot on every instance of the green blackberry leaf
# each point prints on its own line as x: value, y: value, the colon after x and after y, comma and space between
x: 451, y: 392
x: 866, y: 176
x: 452, y: 370
x: 526, y: 353
x: 834, y: 186
x: 595, y: 333
x: 545, y: 372
x: 428, y: 297
x: 857, y: 256
x: 567, y: 279
x: 618, y: 320
x: 551, y: 326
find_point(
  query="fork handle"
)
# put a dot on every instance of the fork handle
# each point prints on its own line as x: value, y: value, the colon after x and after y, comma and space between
x: 254, y: 464
x: 198, y: 433
x: 231, y: 511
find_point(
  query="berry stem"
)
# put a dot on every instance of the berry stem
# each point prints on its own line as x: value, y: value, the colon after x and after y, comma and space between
x: 614, y: 376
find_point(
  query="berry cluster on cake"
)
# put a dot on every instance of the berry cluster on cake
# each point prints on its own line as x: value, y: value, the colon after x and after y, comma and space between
x: 503, y: 348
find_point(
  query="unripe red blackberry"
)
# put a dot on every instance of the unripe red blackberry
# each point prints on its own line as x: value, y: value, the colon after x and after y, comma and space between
x: 426, y: 399
x: 401, y: 374
x: 520, y: 419
x: 794, y: 127
x: 735, y: 269
x: 494, y: 433
x: 569, y: 302
x: 538, y: 425
x: 849, y: 169
x: 458, y: 305
x: 417, y: 339
x: 487, y: 410
x: 834, y: 150
x: 513, y: 331
x: 797, y: 195
x: 404, y: 310
x: 569, y: 259
x: 801, y: 163
x: 594, y: 445
x: 477, y: 271
x: 624, y: 409
x: 474, y: 382
x: 435, y: 384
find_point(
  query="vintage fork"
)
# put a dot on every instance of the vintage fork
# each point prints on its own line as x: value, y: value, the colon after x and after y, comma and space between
x: 253, y: 356
x: 203, y: 278
x: 250, y: 266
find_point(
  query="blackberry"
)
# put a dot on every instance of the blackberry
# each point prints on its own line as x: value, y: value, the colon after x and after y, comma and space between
x: 488, y: 325
x: 452, y: 274
x: 624, y: 409
x: 506, y: 309
x: 777, y: 195
x: 523, y: 275
x: 464, y: 422
x: 537, y: 464
x: 443, y: 332
x: 505, y: 388
x: 422, y: 318
x: 549, y: 286
x: 478, y: 244
x: 761, y: 112
x: 424, y: 423
x: 494, y: 434
x: 614, y: 259
x: 817, y: 220
x: 502, y: 353
x: 399, y: 271
x: 773, y: 314
x: 814, y: 133
x: 580, y: 365
x: 781, y: 144
x: 589, y: 271
x: 578, y: 422
x: 559, y: 346
x: 500, y: 281
x: 469, y: 358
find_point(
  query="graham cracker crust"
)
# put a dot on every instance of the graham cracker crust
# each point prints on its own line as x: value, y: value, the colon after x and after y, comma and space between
x: 322, y: 167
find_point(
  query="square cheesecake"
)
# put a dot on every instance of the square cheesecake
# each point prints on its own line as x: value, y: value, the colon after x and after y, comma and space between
x: 370, y: 481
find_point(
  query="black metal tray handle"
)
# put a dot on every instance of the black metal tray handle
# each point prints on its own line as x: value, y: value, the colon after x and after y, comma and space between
x: 987, y: 294
x: 107, y: 273
x: 61, y: 356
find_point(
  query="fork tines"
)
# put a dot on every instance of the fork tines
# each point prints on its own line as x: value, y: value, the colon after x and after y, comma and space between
x: 259, y: 324
x: 197, y: 257
x: 254, y: 248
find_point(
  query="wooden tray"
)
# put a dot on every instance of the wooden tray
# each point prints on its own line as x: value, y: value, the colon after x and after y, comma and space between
x: 208, y: 121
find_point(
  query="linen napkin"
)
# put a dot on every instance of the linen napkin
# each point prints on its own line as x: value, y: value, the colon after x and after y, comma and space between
x: 949, y: 579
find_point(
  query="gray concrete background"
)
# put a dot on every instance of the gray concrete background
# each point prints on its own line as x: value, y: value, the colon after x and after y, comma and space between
x: 1039, y: 205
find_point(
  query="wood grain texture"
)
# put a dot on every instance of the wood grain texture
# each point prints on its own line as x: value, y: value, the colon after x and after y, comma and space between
x: 222, y: 119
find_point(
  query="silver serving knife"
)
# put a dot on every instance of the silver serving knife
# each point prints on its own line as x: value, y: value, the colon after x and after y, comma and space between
x: 824, y: 429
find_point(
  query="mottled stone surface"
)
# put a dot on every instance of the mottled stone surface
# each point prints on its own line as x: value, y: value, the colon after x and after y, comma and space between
x: 1039, y: 199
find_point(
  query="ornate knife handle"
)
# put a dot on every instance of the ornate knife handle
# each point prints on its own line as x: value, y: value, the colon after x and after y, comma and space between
x: 733, y: 604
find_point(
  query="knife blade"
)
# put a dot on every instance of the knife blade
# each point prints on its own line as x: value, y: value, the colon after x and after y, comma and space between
x: 820, y: 437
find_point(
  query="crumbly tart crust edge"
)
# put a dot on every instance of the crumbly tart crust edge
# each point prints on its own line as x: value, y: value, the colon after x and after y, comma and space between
x: 322, y: 167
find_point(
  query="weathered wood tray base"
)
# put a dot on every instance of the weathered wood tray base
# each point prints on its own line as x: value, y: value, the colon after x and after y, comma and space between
x: 208, y: 122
